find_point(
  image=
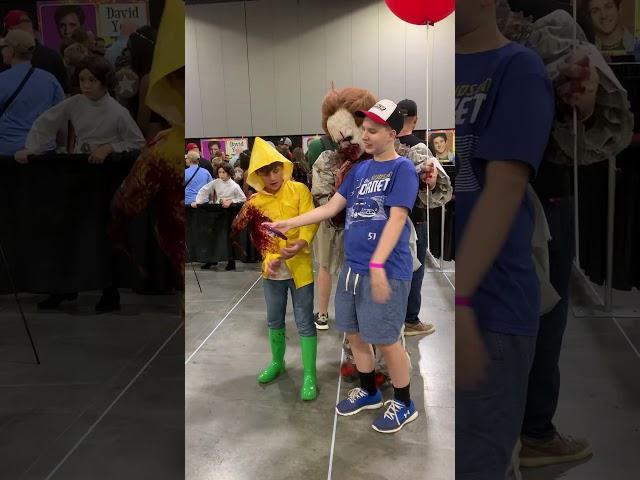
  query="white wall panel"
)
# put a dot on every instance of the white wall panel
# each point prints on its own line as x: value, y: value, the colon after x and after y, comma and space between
x: 212, y: 92
x: 235, y: 68
x: 193, y: 103
x: 260, y: 34
x: 442, y: 95
x: 287, y: 66
x: 313, y: 65
x: 416, y: 70
x: 391, y: 48
x: 270, y: 78
x: 364, y: 41
x: 338, y: 47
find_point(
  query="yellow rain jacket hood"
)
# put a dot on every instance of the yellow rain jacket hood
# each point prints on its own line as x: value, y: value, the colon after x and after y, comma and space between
x: 291, y: 200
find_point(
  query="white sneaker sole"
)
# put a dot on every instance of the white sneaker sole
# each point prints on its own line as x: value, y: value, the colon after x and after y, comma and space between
x: 413, y: 416
x: 366, y: 407
x: 322, y: 327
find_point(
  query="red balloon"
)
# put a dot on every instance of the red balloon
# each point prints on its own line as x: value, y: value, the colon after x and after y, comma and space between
x: 421, y: 12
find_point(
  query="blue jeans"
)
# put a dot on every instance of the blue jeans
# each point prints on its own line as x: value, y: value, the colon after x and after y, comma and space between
x: 275, y: 294
x: 544, y: 378
x: 415, y: 297
x: 488, y: 419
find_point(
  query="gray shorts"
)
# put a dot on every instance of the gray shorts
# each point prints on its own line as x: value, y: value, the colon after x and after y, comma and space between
x: 356, y: 311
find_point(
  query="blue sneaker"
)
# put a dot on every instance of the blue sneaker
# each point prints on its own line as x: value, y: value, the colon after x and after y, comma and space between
x: 359, y: 399
x: 396, y: 417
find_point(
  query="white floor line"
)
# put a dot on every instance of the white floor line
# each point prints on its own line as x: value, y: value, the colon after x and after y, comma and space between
x: 633, y: 347
x: 335, y: 414
x: 221, y: 321
x: 449, y: 280
x: 108, y: 409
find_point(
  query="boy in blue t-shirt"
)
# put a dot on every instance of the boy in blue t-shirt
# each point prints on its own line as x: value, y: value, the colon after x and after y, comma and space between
x: 504, y: 113
x: 373, y: 287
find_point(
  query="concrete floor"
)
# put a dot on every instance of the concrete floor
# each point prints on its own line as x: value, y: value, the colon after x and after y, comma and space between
x: 107, y: 400
x: 600, y: 390
x: 237, y: 429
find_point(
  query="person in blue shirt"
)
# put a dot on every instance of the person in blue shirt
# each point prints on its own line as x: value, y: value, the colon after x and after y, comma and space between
x: 40, y: 92
x: 195, y: 177
x: 504, y: 109
x: 373, y: 287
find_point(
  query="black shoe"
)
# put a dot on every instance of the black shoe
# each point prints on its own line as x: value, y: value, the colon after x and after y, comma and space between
x: 53, y: 301
x: 109, y: 301
x: 231, y: 265
x: 206, y: 266
x: 321, y: 321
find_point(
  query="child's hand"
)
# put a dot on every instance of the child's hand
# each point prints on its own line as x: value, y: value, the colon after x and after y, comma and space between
x: 292, y: 248
x: 194, y: 205
x: 99, y: 153
x: 21, y: 156
x: 273, y: 266
x: 472, y: 358
x: 282, y: 226
x: 380, y: 289
x: 227, y: 203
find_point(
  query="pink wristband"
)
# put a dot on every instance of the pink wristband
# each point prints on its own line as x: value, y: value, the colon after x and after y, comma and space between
x: 463, y: 301
x: 376, y: 265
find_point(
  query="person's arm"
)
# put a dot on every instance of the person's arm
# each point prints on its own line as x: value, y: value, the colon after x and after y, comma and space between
x: 380, y: 288
x: 129, y: 135
x: 306, y: 232
x: 323, y: 178
x: 204, y: 193
x: 489, y: 223
x: 46, y: 126
x: 326, y: 211
x: 390, y: 234
x: 239, y: 195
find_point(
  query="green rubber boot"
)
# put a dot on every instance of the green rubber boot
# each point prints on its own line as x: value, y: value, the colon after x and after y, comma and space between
x: 309, y: 348
x: 276, y: 367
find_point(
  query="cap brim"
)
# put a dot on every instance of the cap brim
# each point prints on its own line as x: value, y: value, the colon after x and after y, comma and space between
x: 372, y: 116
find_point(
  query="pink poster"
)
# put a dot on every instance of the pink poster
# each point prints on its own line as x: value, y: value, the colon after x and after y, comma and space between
x: 59, y: 19
x: 208, y: 146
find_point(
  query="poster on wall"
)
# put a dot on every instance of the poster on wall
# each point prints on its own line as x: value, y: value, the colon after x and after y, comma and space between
x: 442, y: 144
x: 209, y: 146
x: 229, y: 146
x: 112, y: 15
x: 235, y: 146
x: 306, y: 139
x: 614, y: 24
x: 59, y: 18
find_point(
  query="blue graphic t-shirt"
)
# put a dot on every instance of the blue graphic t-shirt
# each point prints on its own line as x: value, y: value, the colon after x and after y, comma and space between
x: 504, y: 112
x: 371, y: 188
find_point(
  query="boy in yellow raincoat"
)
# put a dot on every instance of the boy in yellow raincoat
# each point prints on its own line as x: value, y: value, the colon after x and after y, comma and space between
x: 287, y: 264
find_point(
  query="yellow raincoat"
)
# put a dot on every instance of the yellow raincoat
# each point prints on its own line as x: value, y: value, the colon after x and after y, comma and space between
x: 291, y: 200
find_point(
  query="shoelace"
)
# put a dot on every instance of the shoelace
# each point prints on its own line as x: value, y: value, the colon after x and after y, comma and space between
x: 356, y: 393
x: 392, y: 410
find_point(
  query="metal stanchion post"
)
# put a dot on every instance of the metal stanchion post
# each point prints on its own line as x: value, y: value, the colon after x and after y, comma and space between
x: 442, y: 213
x: 611, y: 210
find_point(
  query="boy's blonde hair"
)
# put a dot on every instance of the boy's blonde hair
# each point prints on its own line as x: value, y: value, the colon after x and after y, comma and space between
x: 193, y: 156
